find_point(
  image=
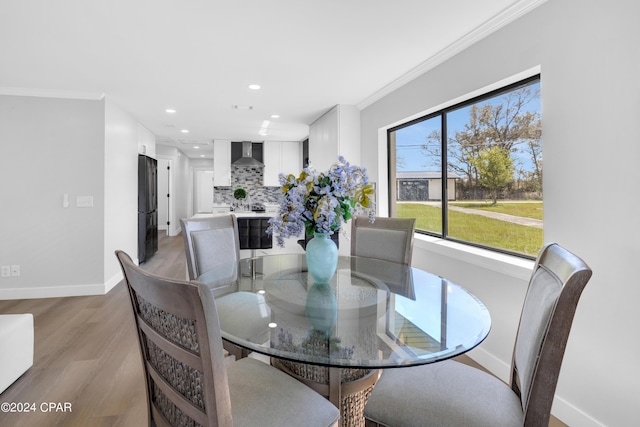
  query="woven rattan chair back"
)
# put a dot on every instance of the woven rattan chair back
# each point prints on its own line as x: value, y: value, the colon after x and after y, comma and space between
x: 184, y: 369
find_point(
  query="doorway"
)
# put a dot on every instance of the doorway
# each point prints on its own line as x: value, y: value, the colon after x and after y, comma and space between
x: 164, y: 195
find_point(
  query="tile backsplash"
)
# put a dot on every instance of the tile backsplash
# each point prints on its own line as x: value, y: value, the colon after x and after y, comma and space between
x: 250, y: 178
x: 247, y: 176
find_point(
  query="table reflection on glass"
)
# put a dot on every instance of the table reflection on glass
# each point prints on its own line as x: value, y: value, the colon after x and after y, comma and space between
x: 336, y: 337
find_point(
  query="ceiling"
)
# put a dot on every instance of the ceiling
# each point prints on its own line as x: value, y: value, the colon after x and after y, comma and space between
x: 199, y: 57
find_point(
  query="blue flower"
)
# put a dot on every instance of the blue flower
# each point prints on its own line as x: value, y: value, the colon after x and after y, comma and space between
x: 321, y: 201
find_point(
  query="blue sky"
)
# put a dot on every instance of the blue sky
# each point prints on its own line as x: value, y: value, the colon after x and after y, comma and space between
x: 409, y: 139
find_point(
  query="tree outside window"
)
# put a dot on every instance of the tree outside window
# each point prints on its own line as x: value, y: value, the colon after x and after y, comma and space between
x: 492, y: 180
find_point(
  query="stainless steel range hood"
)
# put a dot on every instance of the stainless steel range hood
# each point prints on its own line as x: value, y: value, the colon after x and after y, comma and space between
x: 247, y: 156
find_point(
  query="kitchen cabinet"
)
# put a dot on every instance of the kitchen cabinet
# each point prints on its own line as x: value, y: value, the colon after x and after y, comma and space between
x: 222, y: 162
x: 336, y: 133
x: 281, y: 157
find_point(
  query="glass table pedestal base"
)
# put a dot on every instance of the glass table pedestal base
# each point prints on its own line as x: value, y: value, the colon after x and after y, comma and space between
x: 347, y: 388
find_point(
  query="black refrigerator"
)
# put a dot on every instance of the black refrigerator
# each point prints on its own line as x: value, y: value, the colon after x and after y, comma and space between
x: 147, y: 207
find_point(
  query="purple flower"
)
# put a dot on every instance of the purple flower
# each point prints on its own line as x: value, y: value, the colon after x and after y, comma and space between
x: 321, y: 202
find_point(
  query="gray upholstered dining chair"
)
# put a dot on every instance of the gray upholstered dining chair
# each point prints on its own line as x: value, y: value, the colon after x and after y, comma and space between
x: 213, y: 245
x: 209, y: 243
x: 389, y: 239
x: 453, y: 394
x: 188, y: 382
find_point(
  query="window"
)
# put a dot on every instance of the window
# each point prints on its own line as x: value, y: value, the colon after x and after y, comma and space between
x: 485, y: 156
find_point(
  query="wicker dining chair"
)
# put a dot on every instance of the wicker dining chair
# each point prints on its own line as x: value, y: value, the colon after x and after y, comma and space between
x: 449, y: 393
x: 388, y: 239
x: 188, y: 382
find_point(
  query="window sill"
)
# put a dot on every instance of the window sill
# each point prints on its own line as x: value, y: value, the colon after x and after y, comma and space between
x: 510, y: 265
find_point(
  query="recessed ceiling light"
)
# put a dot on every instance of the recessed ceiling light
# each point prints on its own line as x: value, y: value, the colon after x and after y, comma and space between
x: 196, y: 146
x: 275, y: 116
x: 185, y: 131
x: 170, y: 110
x: 254, y: 87
x: 201, y: 155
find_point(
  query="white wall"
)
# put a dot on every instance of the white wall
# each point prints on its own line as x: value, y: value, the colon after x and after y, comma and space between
x: 51, y: 147
x: 587, y: 55
x: 184, y: 181
x: 122, y: 138
x: 54, y: 146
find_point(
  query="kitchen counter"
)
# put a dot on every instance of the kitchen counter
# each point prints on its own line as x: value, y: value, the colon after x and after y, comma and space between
x: 271, y: 209
x: 239, y: 214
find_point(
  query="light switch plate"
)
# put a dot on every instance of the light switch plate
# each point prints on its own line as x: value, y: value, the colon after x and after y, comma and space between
x: 6, y: 271
x: 84, y: 201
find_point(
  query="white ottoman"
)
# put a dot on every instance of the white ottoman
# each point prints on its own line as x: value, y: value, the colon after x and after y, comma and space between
x: 16, y: 351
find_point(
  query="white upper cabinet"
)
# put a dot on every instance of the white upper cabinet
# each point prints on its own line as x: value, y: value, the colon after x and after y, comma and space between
x: 336, y: 133
x: 271, y: 158
x: 222, y: 162
x: 281, y: 157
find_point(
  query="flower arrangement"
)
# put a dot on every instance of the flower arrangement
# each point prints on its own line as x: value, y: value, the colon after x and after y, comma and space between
x: 320, y: 202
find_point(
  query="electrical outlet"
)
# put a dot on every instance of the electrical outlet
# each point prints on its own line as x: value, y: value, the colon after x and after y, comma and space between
x: 15, y: 270
x: 6, y: 271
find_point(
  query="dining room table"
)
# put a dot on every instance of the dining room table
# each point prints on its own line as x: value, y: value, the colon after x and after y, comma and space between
x: 337, y: 337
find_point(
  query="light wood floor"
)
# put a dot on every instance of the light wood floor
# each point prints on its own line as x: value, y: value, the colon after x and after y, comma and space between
x: 86, y: 353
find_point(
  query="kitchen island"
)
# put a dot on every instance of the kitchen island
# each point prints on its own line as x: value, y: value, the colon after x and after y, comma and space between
x: 291, y: 244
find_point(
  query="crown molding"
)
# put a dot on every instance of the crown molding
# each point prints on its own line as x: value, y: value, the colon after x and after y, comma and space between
x: 499, y: 21
x: 51, y: 93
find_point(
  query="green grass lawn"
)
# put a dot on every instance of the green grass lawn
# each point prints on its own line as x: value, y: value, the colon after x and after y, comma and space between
x: 479, y: 229
x: 524, y: 209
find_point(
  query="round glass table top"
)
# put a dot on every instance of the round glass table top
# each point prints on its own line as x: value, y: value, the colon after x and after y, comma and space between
x: 371, y: 314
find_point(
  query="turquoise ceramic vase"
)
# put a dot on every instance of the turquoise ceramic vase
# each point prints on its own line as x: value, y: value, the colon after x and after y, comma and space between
x: 322, y: 258
x: 321, y: 308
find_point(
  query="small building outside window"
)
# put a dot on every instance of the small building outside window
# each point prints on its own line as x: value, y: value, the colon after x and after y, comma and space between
x: 424, y: 186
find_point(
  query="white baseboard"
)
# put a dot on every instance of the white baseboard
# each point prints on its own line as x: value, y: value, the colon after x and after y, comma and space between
x: 174, y: 231
x: 52, y: 291
x: 490, y: 362
x: 60, y: 291
x: 572, y: 416
x: 111, y: 283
